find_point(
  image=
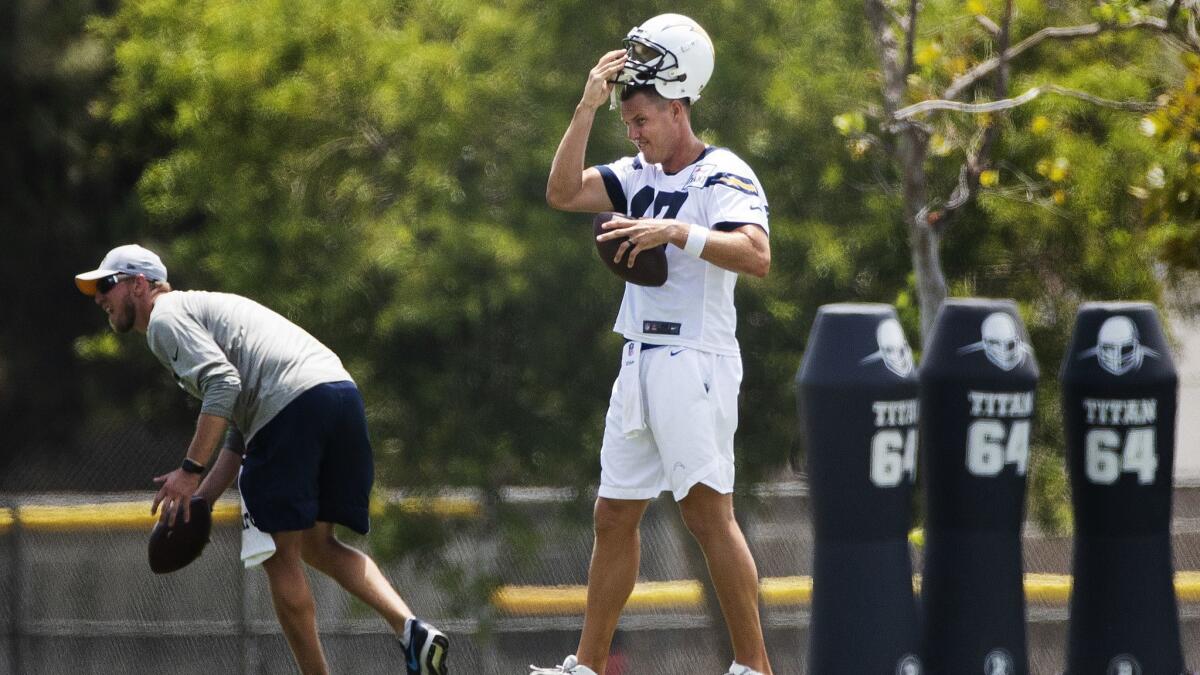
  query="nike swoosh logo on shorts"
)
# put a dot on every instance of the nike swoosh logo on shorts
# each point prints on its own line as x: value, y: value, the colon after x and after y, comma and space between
x: 675, y: 352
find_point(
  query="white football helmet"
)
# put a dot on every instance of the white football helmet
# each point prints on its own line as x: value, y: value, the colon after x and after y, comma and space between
x: 670, y: 51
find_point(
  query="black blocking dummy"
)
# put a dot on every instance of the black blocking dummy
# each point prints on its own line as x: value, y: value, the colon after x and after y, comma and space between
x: 1119, y: 389
x: 857, y: 396
x: 978, y: 377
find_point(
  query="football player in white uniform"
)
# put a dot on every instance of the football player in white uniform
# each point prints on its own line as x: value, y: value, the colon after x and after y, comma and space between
x: 673, y: 411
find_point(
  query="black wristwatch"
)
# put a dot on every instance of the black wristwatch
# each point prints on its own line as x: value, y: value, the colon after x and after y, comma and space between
x: 191, y: 466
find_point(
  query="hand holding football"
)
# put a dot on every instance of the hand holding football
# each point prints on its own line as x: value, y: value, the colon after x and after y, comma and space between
x: 172, y: 548
x: 649, y: 267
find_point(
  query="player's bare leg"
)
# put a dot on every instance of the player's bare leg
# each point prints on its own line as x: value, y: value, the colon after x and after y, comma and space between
x: 708, y: 514
x: 616, y: 555
x: 356, y: 572
x: 294, y: 604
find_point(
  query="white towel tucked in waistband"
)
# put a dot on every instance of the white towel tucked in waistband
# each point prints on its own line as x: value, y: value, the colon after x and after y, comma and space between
x: 629, y: 389
x: 257, y: 546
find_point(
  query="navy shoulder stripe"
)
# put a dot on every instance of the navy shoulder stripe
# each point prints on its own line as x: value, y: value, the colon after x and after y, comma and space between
x: 612, y: 185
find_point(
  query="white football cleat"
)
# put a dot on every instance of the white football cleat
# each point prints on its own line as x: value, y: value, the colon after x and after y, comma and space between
x: 738, y: 669
x: 570, y: 666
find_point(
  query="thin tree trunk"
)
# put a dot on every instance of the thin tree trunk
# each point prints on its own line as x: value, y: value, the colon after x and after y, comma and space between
x: 924, y: 238
x: 908, y: 153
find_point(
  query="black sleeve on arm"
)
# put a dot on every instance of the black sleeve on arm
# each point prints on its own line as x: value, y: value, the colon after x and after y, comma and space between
x: 612, y: 185
x: 235, y: 442
x: 730, y: 227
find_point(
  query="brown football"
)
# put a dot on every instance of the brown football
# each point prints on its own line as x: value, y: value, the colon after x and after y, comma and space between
x: 172, y: 548
x: 650, y: 266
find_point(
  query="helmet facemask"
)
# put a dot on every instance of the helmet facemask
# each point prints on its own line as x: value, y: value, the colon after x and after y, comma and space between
x: 645, y: 62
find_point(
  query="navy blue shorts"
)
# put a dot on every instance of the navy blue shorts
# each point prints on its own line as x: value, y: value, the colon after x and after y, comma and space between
x: 312, y: 462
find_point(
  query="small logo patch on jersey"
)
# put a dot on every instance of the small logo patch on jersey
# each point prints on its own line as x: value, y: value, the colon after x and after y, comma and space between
x: 734, y: 181
x: 700, y: 175
x: 660, y: 327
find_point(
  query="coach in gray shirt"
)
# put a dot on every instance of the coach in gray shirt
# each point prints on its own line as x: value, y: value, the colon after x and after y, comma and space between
x: 308, y: 462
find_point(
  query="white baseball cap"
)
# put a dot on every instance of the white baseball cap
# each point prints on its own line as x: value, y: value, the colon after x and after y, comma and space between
x: 129, y: 259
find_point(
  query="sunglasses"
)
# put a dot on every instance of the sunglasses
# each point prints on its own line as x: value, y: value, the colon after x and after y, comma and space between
x: 110, y: 282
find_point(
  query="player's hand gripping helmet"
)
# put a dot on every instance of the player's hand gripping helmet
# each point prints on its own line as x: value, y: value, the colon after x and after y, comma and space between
x: 670, y: 51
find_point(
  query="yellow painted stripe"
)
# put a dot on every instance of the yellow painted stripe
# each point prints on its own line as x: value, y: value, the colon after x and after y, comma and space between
x: 786, y: 590
x: 1187, y: 586
x: 1053, y: 589
x: 129, y: 515
x: 108, y: 516
x: 536, y: 600
x: 446, y: 507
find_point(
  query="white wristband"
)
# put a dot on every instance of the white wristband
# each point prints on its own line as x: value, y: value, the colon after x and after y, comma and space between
x: 697, y: 237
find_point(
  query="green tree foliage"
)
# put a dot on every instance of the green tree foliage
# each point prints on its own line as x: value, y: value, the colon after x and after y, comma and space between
x: 1059, y: 210
x: 1170, y: 188
x: 375, y: 170
x: 377, y: 173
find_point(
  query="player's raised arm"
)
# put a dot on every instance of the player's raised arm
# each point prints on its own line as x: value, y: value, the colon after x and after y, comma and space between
x: 571, y: 187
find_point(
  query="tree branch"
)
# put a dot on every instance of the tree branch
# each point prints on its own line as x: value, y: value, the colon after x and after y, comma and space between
x: 1130, y: 106
x: 1005, y: 104
x: 988, y: 25
x: 979, y: 153
x: 938, y: 219
x: 985, y: 68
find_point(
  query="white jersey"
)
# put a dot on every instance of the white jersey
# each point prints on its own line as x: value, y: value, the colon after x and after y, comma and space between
x: 695, y: 307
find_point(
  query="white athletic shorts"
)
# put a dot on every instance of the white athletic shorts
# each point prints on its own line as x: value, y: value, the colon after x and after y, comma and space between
x: 670, y: 423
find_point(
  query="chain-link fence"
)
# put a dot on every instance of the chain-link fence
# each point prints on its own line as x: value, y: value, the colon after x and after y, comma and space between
x: 76, y: 595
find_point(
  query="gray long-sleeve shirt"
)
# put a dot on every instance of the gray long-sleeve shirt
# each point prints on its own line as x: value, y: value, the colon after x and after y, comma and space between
x: 244, y: 361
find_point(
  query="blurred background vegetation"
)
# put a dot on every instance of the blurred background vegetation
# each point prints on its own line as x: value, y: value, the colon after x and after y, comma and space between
x: 375, y: 170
